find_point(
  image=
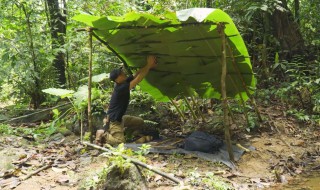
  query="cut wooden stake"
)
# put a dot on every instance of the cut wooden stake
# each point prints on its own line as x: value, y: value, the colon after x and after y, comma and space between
x: 224, y: 93
x: 137, y: 162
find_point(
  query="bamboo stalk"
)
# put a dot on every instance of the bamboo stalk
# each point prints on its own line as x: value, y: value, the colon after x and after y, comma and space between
x: 137, y: 162
x: 224, y: 93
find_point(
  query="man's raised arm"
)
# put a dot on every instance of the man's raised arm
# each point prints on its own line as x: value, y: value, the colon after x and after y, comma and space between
x: 151, y: 63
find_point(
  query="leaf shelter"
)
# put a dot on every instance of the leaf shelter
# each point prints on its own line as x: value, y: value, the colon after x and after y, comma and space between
x: 198, y: 50
x: 188, y: 46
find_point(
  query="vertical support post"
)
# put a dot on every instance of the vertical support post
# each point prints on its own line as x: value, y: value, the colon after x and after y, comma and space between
x: 226, y: 122
x: 89, y: 86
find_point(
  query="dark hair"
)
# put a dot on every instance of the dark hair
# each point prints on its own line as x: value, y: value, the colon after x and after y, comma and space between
x: 114, y: 74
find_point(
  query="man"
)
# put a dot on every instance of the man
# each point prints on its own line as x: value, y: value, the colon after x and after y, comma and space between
x: 119, y: 103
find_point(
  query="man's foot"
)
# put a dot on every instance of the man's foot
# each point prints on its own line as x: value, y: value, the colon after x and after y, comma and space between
x: 99, y: 135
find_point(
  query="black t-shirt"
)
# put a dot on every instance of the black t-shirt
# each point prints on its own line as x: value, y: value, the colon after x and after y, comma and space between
x: 119, y: 100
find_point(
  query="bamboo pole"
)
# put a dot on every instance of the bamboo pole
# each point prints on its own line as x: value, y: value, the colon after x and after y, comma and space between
x: 137, y: 162
x: 89, y: 86
x: 224, y: 93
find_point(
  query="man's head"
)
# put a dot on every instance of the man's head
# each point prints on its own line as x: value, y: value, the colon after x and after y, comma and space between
x: 117, y: 75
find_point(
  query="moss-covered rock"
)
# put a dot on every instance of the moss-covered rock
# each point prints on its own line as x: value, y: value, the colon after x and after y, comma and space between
x: 128, y: 179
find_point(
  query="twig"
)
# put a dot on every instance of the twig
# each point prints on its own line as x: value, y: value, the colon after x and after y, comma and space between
x: 136, y: 162
x: 161, y: 142
x: 243, y: 148
x: 35, y: 172
x: 276, y: 127
x: 316, y: 168
x: 176, y: 142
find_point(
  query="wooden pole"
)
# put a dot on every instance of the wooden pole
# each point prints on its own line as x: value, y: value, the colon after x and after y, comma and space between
x: 226, y: 123
x: 89, y: 87
x: 116, y: 53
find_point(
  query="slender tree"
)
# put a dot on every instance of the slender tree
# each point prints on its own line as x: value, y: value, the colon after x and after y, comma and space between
x: 297, y: 10
x: 57, y: 23
x: 36, y: 95
x: 209, y: 4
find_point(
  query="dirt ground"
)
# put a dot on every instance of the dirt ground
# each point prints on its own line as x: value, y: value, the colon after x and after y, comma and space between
x: 284, y: 151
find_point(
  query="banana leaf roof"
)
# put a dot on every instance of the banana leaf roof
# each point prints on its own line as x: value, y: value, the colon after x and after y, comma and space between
x: 188, y: 46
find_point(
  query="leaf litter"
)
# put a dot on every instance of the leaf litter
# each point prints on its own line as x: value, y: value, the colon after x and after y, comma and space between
x: 273, y: 163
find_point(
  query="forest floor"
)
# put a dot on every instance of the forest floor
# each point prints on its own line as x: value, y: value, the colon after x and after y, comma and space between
x: 286, y: 156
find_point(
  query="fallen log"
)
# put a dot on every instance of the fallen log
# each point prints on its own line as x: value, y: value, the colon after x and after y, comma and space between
x: 44, y: 113
x: 137, y: 162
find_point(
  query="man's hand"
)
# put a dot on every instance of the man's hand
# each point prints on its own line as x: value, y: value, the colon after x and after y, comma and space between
x: 106, y: 120
x: 151, y: 61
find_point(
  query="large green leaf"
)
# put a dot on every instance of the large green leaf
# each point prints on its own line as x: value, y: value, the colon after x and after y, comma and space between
x: 59, y: 92
x: 188, y: 46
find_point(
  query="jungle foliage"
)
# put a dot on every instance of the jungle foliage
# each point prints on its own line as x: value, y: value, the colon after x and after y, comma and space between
x: 282, y: 37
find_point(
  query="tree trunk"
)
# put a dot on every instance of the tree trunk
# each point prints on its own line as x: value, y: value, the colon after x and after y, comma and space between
x: 209, y: 4
x: 36, y: 94
x: 286, y: 30
x: 264, y: 52
x: 57, y: 23
x: 297, y: 10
